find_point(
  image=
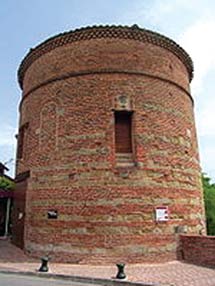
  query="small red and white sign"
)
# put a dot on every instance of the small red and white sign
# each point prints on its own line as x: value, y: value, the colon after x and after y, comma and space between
x: 162, y: 213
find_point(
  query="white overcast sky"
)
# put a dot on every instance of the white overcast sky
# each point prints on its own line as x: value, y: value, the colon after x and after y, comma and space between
x: 191, y: 23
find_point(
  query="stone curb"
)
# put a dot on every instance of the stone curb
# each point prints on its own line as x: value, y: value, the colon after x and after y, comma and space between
x: 90, y: 280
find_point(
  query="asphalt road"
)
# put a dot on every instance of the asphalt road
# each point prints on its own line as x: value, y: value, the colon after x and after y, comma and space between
x: 22, y: 280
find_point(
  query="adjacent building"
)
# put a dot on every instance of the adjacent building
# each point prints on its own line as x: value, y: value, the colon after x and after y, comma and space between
x: 6, y: 195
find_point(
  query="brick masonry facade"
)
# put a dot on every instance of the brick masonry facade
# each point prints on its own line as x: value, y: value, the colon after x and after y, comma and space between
x: 197, y: 249
x: 72, y: 85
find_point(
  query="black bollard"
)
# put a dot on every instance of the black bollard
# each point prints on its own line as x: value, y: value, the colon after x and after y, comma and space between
x: 121, y: 273
x: 44, y: 264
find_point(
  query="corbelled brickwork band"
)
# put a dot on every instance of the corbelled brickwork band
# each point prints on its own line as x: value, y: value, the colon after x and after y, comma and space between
x: 107, y: 137
x: 98, y: 32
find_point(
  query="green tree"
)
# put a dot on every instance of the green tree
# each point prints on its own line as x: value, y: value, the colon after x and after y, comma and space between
x: 209, y: 197
x: 6, y: 184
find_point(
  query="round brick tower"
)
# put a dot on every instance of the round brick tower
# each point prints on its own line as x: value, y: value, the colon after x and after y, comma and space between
x: 107, y: 160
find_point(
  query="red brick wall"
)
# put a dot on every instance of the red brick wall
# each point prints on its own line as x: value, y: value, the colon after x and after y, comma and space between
x: 106, y: 212
x: 198, y: 249
x: 100, y: 54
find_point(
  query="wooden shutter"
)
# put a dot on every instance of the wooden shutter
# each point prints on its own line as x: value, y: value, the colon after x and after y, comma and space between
x: 123, y: 132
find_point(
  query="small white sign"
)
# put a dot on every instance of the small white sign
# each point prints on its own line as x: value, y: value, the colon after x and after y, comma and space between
x: 162, y: 213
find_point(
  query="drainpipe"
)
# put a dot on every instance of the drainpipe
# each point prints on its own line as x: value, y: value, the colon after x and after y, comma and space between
x: 7, y: 218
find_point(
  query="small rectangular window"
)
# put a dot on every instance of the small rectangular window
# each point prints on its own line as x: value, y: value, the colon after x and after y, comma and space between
x: 123, y: 138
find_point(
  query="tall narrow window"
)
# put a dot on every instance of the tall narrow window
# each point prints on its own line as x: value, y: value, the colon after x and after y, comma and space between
x: 123, y: 141
x: 21, y: 136
x: 20, y: 143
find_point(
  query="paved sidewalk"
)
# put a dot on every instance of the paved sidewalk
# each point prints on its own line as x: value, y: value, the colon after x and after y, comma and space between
x: 169, y: 273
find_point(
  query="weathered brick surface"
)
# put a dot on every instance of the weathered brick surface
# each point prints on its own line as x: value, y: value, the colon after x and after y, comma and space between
x: 197, y: 249
x: 107, y: 213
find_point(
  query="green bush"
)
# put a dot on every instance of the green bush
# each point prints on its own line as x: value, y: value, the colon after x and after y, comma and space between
x: 6, y: 184
x: 209, y: 197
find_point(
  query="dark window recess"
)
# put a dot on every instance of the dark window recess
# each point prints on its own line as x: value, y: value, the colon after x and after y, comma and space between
x: 21, y: 140
x: 123, y: 140
x: 20, y: 143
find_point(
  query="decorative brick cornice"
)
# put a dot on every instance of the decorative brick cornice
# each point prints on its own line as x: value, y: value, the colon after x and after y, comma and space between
x: 98, y: 32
